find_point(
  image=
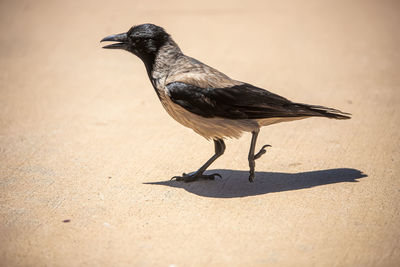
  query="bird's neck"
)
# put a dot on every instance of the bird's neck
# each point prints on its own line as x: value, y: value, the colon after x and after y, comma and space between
x: 163, y: 59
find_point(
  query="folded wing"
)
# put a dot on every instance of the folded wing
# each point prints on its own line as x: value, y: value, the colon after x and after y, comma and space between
x: 243, y: 101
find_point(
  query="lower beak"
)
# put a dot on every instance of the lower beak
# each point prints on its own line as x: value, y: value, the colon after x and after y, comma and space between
x: 121, y: 40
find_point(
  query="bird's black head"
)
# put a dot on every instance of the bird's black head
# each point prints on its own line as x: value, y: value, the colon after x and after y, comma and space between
x: 142, y: 40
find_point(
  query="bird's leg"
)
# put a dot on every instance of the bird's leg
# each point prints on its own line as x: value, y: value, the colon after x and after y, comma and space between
x: 219, y: 150
x: 253, y: 157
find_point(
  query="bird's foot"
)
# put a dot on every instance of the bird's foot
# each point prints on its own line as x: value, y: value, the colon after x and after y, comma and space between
x: 251, y: 177
x: 194, y: 176
x: 261, y: 152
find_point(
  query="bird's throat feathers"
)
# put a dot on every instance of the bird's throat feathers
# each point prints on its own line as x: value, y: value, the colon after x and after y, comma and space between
x: 158, y: 61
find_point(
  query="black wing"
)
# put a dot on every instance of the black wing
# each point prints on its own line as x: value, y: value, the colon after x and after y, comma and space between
x: 243, y: 101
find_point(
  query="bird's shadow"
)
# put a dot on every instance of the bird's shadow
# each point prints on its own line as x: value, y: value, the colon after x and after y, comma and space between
x: 235, y: 184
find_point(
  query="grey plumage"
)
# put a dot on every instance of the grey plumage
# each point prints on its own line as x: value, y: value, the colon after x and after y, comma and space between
x: 206, y: 100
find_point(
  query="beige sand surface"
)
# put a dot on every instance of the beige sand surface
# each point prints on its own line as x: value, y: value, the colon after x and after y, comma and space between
x: 84, y: 138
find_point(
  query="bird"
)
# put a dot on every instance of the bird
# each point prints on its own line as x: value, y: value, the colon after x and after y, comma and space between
x: 205, y: 99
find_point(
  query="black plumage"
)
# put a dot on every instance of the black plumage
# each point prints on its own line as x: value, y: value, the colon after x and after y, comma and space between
x: 206, y: 100
x: 243, y: 101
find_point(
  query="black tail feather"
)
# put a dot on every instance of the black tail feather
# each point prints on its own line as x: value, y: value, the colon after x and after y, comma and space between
x: 322, y: 111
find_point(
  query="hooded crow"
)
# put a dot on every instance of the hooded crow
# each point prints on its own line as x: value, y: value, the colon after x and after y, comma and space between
x: 206, y: 100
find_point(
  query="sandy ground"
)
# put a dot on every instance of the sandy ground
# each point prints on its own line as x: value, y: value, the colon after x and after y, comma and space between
x: 87, y: 151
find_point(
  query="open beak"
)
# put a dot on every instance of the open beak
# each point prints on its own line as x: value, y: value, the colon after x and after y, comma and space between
x: 121, y: 39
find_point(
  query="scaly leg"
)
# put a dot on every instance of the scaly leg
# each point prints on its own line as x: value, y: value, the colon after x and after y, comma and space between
x: 252, y: 157
x: 219, y: 150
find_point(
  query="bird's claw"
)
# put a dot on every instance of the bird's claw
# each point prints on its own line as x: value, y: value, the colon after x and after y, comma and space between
x: 261, y: 152
x: 216, y: 174
x: 191, y: 177
x: 177, y: 178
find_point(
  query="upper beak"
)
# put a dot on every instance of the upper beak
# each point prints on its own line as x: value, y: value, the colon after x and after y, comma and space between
x: 121, y: 38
